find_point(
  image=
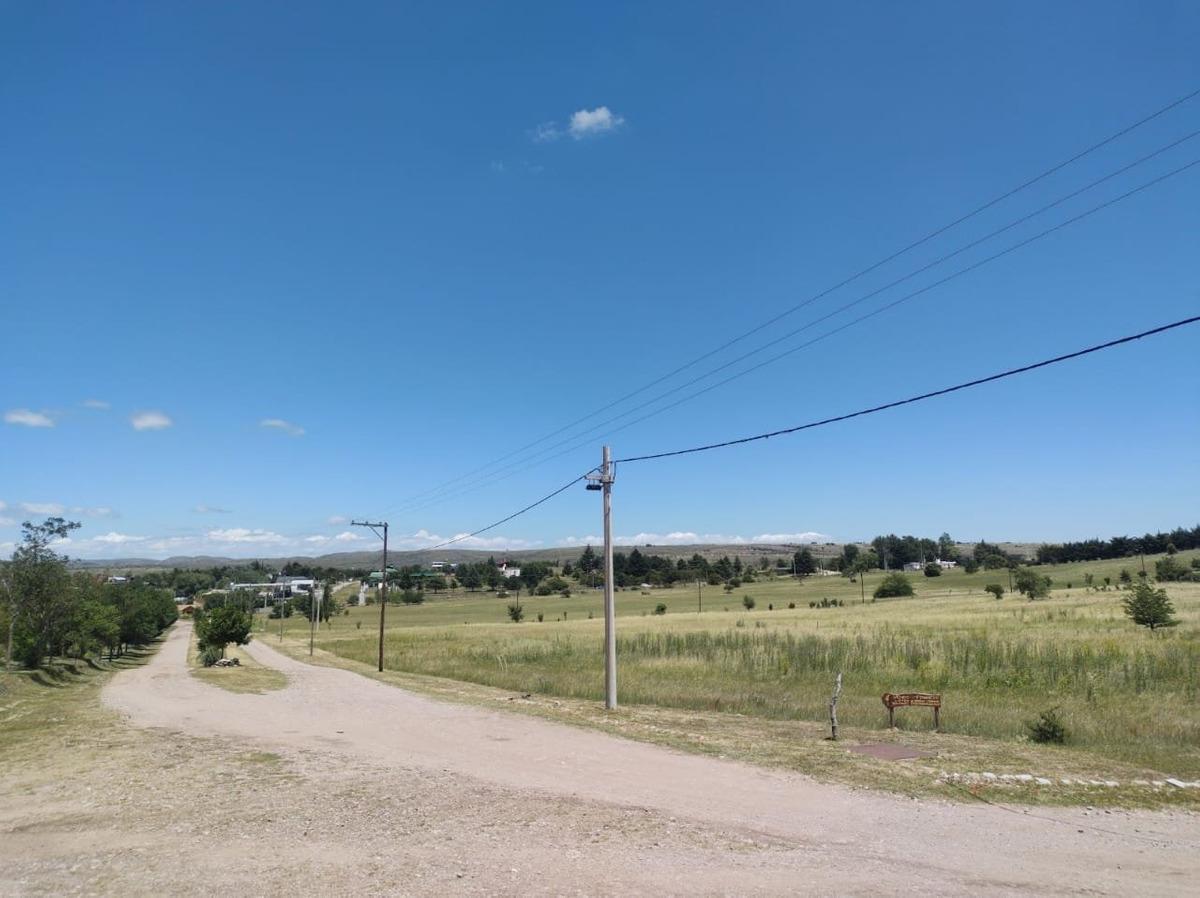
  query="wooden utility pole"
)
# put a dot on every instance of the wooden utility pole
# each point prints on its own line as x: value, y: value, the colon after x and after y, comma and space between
x: 383, y: 585
x: 837, y: 691
x: 602, y: 479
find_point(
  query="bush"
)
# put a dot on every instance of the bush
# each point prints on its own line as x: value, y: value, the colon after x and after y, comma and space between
x: 995, y: 589
x: 516, y: 612
x: 409, y: 597
x: 791, y: 604
x: 1149, y: 607
x: 210, y: 655
x: 970, y: 565
x: 660, y: 608
x: 1035, y: 585
x: 933, y: 569
x: 893, y: 585
x: 539, y: 617
x: 748, y: 602
x: 1048, y: 728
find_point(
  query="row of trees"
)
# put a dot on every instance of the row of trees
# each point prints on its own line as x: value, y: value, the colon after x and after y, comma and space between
x: 1120, y: 546
x: 48, y: 611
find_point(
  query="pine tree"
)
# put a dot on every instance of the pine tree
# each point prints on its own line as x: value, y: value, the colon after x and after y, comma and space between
x: 1149, y: 607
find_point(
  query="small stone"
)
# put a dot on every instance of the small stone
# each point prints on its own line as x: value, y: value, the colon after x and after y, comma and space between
x: 1178, y: 784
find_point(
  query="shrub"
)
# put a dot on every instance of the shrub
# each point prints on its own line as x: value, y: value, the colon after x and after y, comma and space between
x: 995, y: 589
x: 516, y: 612
x: 1048, y: 728
x: 210, y: 655
x: 660, y: 608
x: 933, y: 569
x: 409, y: 597
x: 791, y: 604
x: 539, y: 617
x: 893, y: 585
x: 1149, y: 607
x: 770, y: 607
x: 1170, y: 569
x: 1032, y: 584
x: 748, y: 602
x: 970, y: 565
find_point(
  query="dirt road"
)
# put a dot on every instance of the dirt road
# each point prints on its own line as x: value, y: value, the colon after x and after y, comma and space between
x: 747, y: 830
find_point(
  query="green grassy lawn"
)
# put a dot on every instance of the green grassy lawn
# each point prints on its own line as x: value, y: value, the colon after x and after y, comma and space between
x: 1129, y: 697
x: 248, y: 676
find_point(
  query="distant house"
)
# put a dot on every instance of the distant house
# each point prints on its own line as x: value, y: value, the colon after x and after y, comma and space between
x: 914, y: 565
x: 508, y: 570
x: 442, y: 566
x: 291, y: 586
x: 118, y: 579
x: 946, y: 565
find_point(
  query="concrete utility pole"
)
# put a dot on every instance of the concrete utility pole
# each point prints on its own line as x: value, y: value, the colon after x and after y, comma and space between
x: 383, y: 585
x: 602, y: 479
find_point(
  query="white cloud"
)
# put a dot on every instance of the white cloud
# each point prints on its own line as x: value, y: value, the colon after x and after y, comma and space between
x: 5, y: 548
x: 347, y: 536
x: 243, y: 535
x: 590, y: 122
x: 50, y: 508
x: 546, y: 132
x: 116, y: 539
x: 583, y: 123
x: 93, y: 511
x: 423, y: 539
x: 688, y: 538
x: 292, y: 430
x: 336, y: 519
x: 150, y: 421
x: 28, y: 418
x: 497, y: 166
x: 7, y: 522
x: 210, y: 509
x: 98, y: 404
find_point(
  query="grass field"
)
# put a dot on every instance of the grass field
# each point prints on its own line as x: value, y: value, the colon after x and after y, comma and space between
x: 1128, y: 697
x: 248, y: 676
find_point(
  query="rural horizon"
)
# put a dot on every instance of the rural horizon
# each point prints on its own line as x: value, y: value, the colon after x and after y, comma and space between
x: 497, y: 450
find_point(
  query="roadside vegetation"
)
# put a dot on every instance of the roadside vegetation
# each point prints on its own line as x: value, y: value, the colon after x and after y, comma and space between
x: 1125, y: 698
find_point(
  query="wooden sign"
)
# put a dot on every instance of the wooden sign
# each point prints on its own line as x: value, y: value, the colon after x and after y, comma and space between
x: 894, y: 700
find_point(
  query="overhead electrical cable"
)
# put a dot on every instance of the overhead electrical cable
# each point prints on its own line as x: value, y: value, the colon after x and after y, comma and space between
x: 824, y: 422
x: 852, y: 278
x: 537, y: 457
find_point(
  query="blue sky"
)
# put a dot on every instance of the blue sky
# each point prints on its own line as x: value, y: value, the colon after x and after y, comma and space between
x: 265, y: 267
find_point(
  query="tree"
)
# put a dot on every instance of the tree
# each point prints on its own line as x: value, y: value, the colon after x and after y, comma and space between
x: 1170, y: 569
x: 38, y: 588
x: 933, y: 569
x: 748, y: 602
x: 221, y: 626
x: 995, y: 589
x: 516, y: 612
x: 1030, y: 583
x: 804, y: 562
x: 588, y: 561
x: 894, y: 584
x: 1149, y: 607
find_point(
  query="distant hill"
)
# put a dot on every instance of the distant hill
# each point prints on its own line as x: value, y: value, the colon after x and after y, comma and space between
x: 559, y: 554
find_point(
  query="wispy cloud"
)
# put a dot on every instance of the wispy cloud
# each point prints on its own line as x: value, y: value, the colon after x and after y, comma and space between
x: 244, y: 535
x: 688, y: 538
x: 48, y: 508
x: 292, y: 430
x: 150, y: 421
x: 336, y: 519
x: 591, y: 122
x: 28, y: 418
x: 546, y: 132
x: 98, y: 404
x: 210, y: 509
x: 113, y: 538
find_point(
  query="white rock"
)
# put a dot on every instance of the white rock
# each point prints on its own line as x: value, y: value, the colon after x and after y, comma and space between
x: 1024, y: 777
x: 988, y: 776
x: 1178, y: 784
x: 1042, y: 781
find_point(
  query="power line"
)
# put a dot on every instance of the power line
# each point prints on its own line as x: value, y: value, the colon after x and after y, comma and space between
x: 854, y: 277
x: 515, y: 514
x: 537, y: 457
x: 1012, y: 372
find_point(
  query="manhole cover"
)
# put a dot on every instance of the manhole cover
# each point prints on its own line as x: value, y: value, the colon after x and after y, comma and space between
x: 891, y: 752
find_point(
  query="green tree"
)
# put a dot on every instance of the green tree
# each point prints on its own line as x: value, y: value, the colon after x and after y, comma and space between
x: 995, y: 589
x: 933, y: 569
x: 221, y: 626
x: 516, y: 612
x: 1030, y: 583
x: 804, y: 562
x: 894, y: 584
x: 40, y: 598
x: 1149, y: 607
x: 1170, y: 569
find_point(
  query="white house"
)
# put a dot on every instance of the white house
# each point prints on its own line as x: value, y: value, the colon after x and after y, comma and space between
x: 913, y: 566
x: 509, y: 570
x: 946, y: 565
